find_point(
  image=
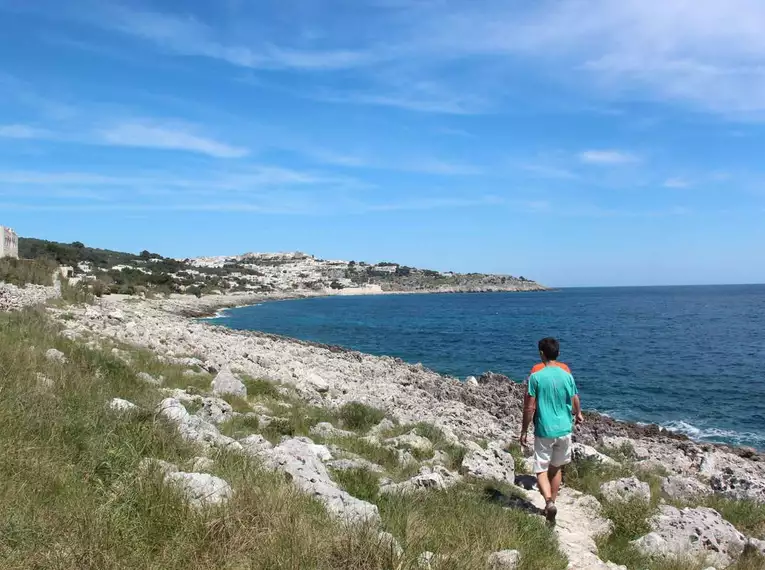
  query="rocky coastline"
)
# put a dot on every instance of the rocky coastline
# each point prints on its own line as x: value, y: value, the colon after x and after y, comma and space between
x: 481, y: 416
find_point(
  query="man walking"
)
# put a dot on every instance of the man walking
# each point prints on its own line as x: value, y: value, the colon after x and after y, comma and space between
x: 552, y: 403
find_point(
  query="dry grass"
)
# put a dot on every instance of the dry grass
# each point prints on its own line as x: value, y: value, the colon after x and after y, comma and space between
x: 71, y: 498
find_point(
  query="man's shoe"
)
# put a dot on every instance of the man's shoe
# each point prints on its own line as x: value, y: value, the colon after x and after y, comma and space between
x: 551, y: 511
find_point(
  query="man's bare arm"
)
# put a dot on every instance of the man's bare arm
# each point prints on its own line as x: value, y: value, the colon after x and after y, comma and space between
x: 577, y: 409
x: 529, y: 407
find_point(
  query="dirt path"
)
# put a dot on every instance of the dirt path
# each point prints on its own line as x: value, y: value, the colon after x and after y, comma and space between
x: 578, y: 524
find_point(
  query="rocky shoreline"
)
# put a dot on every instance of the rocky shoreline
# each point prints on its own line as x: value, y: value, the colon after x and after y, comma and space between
x: 485, y: 411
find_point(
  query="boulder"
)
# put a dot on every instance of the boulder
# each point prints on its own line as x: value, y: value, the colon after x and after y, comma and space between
x: 492, y: 463
x: 756, y: 545
x: 471, y: 382
x: 700, y: 531
x: 327, y: 430
x: 317, y: 382
x: 434, y: 477
x: 215, y: 410
x: 504, y: 560
x: 120, y: 405
x: 193, y: 428
x: 678, y: 488
x: 626, y: 489
x: 227, y: 383
x: 148, y: 378
x: 355, y: 463
x: 741, y: 484
x: 201, y: 464
x: 256, y: 445
x: 580, y: 451
x: 200, y: 489
x: 302, y: 460
x: 411, y: 441
x: 55, y: 355
x: 382, y: 427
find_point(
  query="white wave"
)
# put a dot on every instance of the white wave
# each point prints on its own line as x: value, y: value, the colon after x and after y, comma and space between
x: 714, y: 434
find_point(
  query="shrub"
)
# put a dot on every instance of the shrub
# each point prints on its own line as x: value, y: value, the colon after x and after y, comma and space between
x: 262, y: 388
x: 360, y: 417
x: 27, y: 271
x: 587, y: 475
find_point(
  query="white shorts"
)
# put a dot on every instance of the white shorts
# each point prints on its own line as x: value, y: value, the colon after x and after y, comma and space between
x: 554, y: 451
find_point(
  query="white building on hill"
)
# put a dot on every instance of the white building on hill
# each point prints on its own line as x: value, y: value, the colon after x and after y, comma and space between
x: 9, y: 243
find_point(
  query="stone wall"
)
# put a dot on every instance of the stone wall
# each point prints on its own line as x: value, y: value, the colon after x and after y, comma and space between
x: 9, y: 243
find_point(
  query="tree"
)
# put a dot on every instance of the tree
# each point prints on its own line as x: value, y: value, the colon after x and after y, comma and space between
x: 78, y: 245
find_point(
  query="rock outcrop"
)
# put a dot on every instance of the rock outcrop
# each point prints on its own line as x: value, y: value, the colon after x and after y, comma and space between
x: 492, y: 463
x: 626, y: 489
x: 700, y: 531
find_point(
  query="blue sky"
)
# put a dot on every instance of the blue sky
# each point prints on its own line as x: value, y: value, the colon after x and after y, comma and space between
x: 576, y: 142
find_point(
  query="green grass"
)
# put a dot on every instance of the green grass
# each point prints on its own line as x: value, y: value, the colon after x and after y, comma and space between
x: 240, y: 426
x: 237, y: 403
x: 747, y: 516
x: 516, y: 451
x: 462, y: 526
x: 259, y: 388
x: 71, y: 496
x: 360, y: 417
x: 587, y: 475
x: 361, y: 483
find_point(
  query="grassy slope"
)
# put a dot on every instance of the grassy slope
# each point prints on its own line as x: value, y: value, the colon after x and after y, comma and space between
x: 72, y: 496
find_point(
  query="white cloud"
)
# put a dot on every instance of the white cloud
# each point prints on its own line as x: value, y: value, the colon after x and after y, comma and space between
x: 22, y: 132
x: 676, y: 182
x: 607, y: 157
x: 188, y: 36
x: 149, y: 135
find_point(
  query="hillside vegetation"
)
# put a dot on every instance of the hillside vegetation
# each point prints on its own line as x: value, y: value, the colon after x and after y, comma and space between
x: 128, y: 273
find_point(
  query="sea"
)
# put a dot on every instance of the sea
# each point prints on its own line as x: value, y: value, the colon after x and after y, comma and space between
x: 690, y: 359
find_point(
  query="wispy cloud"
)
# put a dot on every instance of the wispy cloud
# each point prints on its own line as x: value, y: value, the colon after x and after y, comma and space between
x: 607, y: 157
x: 23, y: 132
x: 187, y: 35
x: 131, y: 133
x: 677, y: 182
x: 149, y: 135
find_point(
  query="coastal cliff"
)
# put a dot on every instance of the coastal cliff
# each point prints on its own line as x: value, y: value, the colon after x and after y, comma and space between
x: 394, y: 452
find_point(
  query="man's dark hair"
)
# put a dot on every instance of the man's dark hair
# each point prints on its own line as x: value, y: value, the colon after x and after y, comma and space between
x: 550, y: 347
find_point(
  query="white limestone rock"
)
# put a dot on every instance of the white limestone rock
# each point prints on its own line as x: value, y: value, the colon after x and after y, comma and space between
x: 227, y: 383
x: 302, y: 460
x: 201, y: 464
x: 201, y: 489
x: 384, y: 426
x: 318, y: 383
x: 700, y: 531
x: 435, y: 477
x: 425, y: 560
x: 193, y: 428
x: 389, y: 542
x: 215, y: 410
x: 148, y: 378
x: 677, y: 488
x: 579, y: 451
x: 122, y: 406
x: 55, y: 355
x: 256, y: 445
x: 411, y: 441
x: 626, y: 489
x: 504, y: 560
x: 491, y: 464
x: 471, y: 382
x: 326, y: 429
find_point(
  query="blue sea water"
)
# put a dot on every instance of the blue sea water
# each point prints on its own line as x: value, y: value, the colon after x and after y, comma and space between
x: 689, y: 358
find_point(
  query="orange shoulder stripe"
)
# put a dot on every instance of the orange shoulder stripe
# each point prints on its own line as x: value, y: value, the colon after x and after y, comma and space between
x: 541, y: 365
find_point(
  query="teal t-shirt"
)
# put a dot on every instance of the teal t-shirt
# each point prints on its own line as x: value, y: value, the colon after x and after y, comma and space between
x: 554, y: 388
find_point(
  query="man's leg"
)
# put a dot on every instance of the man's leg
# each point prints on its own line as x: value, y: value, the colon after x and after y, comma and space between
x: 555, y: 475
x: 543, y: 482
